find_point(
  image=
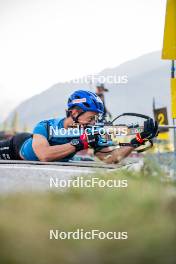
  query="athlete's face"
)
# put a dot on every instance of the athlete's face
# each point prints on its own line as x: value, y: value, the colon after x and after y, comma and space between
x: 86, y: 118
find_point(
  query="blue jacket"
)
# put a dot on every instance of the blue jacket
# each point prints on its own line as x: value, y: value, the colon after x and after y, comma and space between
x: 43, y: 128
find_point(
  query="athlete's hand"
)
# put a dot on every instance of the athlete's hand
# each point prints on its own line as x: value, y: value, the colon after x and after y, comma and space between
x: 85, y: 141
x: 150, y: 132
x: 90, y: 139
x: 150, y: 129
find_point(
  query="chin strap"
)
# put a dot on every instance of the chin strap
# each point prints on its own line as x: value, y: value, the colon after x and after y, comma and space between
x: 75, y: 119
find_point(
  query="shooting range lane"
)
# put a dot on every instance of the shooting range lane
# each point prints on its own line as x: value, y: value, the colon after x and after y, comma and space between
x: 16, y: 176
x: 19, y: 176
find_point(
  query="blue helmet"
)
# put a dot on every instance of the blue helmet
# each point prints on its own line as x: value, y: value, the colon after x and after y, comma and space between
x: 86, y: 100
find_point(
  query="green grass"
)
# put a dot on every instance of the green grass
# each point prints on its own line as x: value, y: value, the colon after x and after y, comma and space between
x: 146, y: 210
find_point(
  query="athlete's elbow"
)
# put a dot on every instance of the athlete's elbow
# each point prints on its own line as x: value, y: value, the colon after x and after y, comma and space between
x: 109, y: 159
x: 41, y: 154
x: 112, y: 161
x: 43, y: 157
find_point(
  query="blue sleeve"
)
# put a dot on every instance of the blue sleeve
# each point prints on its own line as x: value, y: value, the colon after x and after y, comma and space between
x: 41, y: 129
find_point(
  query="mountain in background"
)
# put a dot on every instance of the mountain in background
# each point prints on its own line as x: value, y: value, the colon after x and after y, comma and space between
x: 148, y: 77
x: 6, y: 107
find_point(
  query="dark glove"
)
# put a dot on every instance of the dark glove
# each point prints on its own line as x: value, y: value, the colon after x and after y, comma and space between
x: 85, y: 141
x: 150, y: 131
x: 92, y: 140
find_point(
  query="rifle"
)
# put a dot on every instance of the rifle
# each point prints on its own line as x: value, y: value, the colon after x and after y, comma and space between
x: 107, y: 132
x: 130, y: 130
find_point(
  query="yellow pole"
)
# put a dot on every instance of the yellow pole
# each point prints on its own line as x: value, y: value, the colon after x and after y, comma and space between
x: 169, y: 53
x: 169, y: 42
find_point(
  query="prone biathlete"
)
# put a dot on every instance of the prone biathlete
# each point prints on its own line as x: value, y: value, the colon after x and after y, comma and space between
x: 83, y: 109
